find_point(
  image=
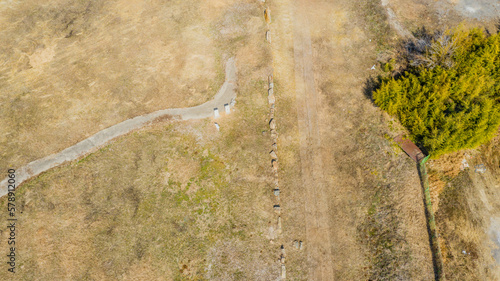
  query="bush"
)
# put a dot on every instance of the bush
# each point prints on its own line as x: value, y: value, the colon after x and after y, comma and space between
x: 450, y: 99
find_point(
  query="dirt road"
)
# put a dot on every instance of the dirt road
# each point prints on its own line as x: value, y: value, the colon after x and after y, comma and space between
x: 346, y: 193
x: 311, y: 162
x: 224, y: 96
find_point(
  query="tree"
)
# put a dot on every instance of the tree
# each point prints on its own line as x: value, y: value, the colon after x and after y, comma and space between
x: 449, y: 97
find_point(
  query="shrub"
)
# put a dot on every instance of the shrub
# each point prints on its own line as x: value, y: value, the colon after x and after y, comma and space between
x: 451, y: 99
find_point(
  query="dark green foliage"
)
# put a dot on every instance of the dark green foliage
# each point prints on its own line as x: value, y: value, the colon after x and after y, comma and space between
x: 452, y: 101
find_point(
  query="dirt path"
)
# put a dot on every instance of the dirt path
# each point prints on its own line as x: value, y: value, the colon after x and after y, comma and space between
x: 224, y: 96
x: 394, y: 22
x: 316, y: 203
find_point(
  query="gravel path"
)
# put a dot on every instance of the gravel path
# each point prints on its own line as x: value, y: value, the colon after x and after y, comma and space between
x: 224, y: 96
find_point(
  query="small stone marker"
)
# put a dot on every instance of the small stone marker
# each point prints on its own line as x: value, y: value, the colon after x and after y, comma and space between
x: 277, y: 207
x: 268, y: 36
x: 276, y: 192
x: 233, y: 102
x: 267, y: 15
x: 274, y: 164
x: 217, y: 126
x: 216, y: 113
x: 283, y: 272
x: 271, y: 99
x: 279, y: 224
x: 273, y: 154
x: 301, y: 245
x: 296, y: 244
x: 226, y: 107
x: 272, y: 124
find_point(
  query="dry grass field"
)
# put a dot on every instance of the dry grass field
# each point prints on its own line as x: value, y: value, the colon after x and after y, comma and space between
x: 467, y: 215
x: 174, y: 201
x: 375, y: 211
x: 183, y: 201
x: 71, y: 68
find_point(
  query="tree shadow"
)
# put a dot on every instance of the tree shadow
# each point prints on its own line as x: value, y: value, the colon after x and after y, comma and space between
x: 370, y: 86
x: 407, y: 54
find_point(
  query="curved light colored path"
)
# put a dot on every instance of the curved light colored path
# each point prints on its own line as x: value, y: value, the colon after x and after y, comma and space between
x: 224, y: 96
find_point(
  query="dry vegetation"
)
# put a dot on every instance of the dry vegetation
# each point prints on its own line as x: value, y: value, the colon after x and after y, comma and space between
x: 180, y: 201
x: 175, y: 201
x: 468, y: 206
x: 71, y: 68
x: 376, y: 211
x: 465, y: 202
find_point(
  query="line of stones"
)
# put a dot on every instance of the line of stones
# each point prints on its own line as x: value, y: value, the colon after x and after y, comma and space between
x: 274, y: 156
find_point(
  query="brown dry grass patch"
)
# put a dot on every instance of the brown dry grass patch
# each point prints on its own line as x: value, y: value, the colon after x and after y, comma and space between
x: 71, y: 68
x: 173, y: 201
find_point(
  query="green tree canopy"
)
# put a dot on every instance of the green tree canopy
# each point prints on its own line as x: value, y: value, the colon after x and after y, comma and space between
x: 451, y: 101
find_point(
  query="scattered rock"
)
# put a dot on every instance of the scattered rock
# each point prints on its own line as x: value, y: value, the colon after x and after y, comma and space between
x: 296, y: 244
x: 270, y: 79
x: 270, y: 92
x: 464, y: 165
x: 271, y: 99
x: 480, y: 169
x: 301, y: 245
x: 273, y: 154
x: 283, y: 272
x: 268, y: 36
x: 274, y: 164
x: 272, y: 124
x: 267, y: 15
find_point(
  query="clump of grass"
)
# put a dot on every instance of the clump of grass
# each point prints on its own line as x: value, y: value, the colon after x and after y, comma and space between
x: 374, y: 17
x: 462, y: 228
x: 388, y: 253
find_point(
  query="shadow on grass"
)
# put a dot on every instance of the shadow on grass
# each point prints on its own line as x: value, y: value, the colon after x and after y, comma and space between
x: 407, y: 55
x: 437, y: 260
